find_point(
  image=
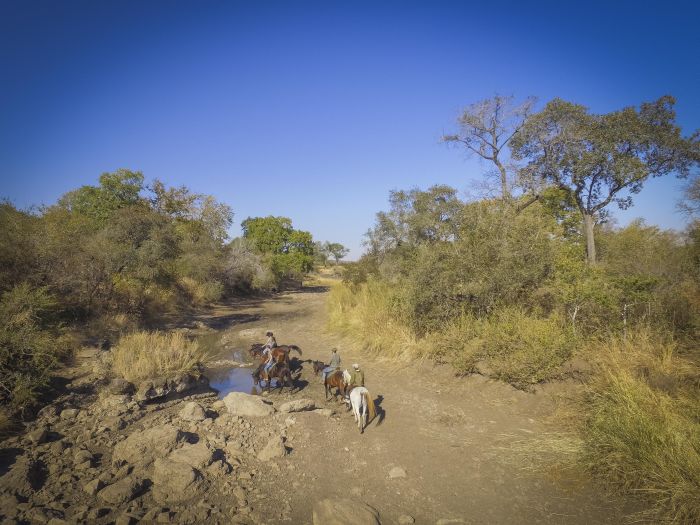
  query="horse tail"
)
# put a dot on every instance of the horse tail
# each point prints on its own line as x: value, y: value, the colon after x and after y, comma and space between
x: 370, y: 405
x: 296, y: 348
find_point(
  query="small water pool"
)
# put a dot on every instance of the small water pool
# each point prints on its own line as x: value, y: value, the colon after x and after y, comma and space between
x: 227, y: 380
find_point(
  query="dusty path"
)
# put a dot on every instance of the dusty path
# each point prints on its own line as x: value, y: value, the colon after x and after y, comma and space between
x: 454, y: 438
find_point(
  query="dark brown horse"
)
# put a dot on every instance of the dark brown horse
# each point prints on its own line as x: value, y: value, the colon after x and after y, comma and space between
x: 278, y: 371
x: 318, y: 367
x: 335, y: 380
x: 279, y: 353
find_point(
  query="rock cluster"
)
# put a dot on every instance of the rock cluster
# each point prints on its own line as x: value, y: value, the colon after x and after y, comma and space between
x: 119, y: 455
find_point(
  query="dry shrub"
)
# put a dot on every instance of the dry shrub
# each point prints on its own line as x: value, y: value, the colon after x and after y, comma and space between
x: 7, y: 425
x: 516, y: 347
x: 144, y: 355
x: 642, y: 433
x: 201, y: 293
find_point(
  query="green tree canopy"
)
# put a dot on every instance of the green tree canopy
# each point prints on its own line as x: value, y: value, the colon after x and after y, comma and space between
x: 600, y: 159
x: 290, y: 251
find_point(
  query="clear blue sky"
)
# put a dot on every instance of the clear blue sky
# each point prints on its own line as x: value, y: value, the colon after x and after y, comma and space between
x: 313, y: 111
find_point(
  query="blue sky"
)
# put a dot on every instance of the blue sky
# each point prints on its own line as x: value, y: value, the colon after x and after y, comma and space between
x: 313, y: 111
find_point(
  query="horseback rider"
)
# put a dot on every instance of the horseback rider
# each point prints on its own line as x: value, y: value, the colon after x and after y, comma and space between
x: 357, y: 378
x: 267, y: 352
x: 332, y: 367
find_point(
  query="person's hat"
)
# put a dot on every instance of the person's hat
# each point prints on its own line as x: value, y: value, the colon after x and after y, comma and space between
x: 334, y: 350
x: 268, y: 333
x: 356, y: 366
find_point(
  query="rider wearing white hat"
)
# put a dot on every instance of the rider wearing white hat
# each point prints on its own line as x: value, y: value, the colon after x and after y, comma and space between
x: 357, y: 377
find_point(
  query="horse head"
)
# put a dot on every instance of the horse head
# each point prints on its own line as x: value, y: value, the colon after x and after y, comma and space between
x: 255, y: 349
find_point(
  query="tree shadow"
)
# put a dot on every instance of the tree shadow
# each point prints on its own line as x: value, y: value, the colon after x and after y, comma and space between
x: 309, y: 289
x: 8, y: 456
x: 226, y: 321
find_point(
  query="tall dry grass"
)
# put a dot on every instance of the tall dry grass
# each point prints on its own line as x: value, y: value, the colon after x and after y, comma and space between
x: 515, y: 347
x: 364, y: 313
x: 642, y: 432
x: 144, y: 355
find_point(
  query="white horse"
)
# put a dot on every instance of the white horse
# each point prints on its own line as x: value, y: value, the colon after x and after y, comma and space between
x: 362, y: 404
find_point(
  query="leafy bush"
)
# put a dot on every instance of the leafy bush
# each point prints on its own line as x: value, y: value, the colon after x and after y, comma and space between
x: 522, y: 349
x: 642, y: 431
x: 144, y: 355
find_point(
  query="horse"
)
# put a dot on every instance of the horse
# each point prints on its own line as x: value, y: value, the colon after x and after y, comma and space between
x: 279, y: 353
x: 278, y: 371
x: 362, y: 404
x: 318, y: 367
x: 334, y: 380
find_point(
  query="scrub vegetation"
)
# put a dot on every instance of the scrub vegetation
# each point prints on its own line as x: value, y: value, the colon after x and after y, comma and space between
x: 533, y: 280
x: 118, y: 257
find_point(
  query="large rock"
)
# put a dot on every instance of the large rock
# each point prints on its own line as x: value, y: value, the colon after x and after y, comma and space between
x: 39, y: 436
x: 174, y: 481
x: 142, y: 448
x: 168, y: 386
x: 343, y: 511
x: 274, y: 449
x: 198, y: 456
x: 241, y: 404
x: 298, y: 405
x: 119, y: 386
x: 396, y: 473
x: 193, y: 411
x: 122, y: 491
x: 68, y: 414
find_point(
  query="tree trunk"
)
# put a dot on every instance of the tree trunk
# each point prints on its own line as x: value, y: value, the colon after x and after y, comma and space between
x: 504, y: 178
x: 588, y: 223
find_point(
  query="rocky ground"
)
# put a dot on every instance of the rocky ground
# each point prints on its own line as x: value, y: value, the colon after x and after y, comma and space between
x: 442, y: 449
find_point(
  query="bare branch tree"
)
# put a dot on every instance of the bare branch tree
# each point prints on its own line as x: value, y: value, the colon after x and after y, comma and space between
x: 486, y: 128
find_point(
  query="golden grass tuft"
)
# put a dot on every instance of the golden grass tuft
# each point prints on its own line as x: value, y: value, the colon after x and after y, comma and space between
x: 364, y: 314
x: 642, y: 433
x: 144, y: 355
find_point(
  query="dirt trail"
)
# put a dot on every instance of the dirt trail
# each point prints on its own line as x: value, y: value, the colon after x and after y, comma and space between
x: 454, y: 438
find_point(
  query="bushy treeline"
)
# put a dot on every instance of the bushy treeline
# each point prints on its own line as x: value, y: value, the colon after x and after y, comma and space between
x: 493, y: 287
x: 118, y: 256
x: 486, y: 281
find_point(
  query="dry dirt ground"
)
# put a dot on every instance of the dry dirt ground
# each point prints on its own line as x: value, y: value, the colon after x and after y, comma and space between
x: 467, y: 445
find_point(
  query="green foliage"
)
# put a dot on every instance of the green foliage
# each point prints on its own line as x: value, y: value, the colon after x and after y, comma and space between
x: 600, y: 159
x: 116, y: 251
x: 337, y: 250
x: 116, y: 190
x: 290, y: 252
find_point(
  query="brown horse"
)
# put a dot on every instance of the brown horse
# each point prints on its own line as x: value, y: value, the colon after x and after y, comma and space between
x: 280, y: 354
x: 278, y: 371
x: 335, y: 380
x: 318, y: 367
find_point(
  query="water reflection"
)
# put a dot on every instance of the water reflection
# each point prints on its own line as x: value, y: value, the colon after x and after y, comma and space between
x: 227, y: 380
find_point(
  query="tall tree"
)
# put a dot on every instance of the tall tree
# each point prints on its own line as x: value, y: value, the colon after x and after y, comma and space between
x: 337, y: 250
x: 486, y: 129
x: 599, y: 159
x: 290, y: 251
